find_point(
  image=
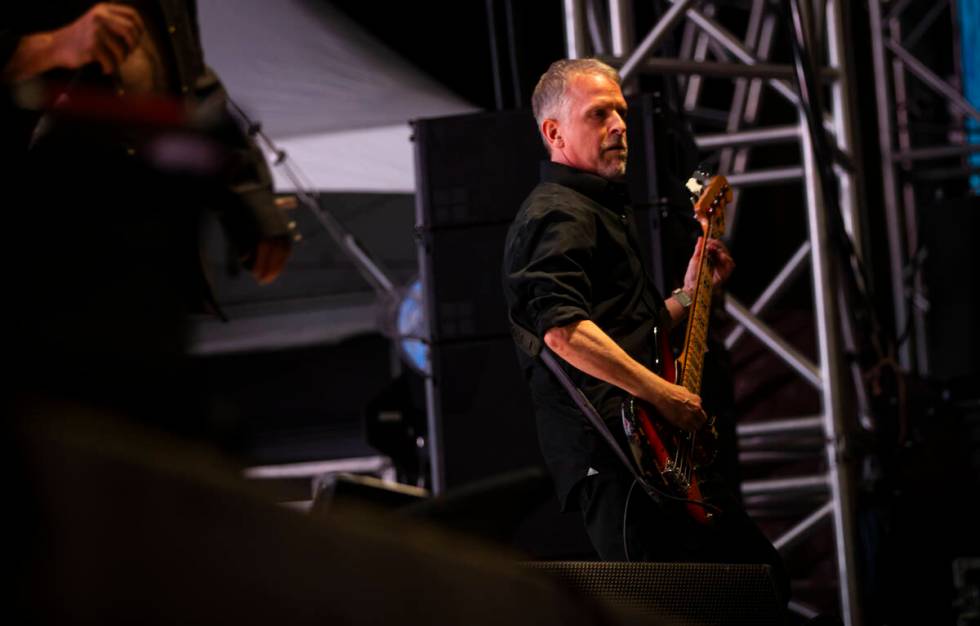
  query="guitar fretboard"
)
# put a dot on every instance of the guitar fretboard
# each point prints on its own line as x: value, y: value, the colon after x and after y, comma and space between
x: 696, y: 338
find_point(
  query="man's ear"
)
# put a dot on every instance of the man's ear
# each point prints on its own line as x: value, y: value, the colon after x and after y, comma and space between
x: 552, y: 134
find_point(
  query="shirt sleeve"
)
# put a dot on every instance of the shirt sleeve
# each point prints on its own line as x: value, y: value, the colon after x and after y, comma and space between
x: 249, y: 212
x: 549, y: 278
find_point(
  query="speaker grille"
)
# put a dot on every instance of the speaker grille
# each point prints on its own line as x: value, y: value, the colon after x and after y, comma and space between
x: 686, y: 593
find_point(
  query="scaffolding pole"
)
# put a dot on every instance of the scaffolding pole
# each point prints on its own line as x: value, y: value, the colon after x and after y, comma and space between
x: 890, y: 51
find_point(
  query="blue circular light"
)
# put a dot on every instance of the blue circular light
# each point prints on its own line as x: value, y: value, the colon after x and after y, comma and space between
x: 412, y: 328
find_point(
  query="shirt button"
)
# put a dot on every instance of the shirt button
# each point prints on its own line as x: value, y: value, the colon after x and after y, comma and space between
x: 183, y: 89
x: 171, y: 29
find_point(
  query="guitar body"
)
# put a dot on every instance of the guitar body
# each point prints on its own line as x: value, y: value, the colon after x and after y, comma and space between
x: 657, y: 445
x: 665, y: 454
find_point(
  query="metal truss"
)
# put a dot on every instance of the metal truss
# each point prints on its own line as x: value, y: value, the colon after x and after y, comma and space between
x: 745, y: 59
x: 891, y: 49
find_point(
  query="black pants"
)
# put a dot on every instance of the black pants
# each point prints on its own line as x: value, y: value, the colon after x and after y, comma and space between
x: 666, y: 533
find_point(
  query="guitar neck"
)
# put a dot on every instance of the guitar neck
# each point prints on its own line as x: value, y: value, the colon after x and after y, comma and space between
x: 696, y: 337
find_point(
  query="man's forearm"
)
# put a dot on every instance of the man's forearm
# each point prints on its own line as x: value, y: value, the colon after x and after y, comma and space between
x: 588, y: 348
x: 105, y: 34
x: 34, y: 55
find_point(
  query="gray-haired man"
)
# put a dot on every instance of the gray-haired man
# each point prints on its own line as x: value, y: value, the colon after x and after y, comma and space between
x: 574, y: 276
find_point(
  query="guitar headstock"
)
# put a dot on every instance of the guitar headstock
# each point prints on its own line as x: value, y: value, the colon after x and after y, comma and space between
x: 710, y: 195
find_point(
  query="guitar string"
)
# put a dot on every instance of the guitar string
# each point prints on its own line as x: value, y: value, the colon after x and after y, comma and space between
x: 687, y: 470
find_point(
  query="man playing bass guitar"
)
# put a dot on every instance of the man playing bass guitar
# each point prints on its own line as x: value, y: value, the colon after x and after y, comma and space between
x: 574, y: 277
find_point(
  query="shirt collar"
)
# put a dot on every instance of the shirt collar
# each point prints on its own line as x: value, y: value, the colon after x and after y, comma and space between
x: 606, y: 192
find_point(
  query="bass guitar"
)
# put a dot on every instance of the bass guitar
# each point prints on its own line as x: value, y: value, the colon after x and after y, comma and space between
x: 667, y: 455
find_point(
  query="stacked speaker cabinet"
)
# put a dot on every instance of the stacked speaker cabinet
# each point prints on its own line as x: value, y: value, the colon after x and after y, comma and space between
x: 472, y: 172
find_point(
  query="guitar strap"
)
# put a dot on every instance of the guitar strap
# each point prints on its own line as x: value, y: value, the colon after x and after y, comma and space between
x: 535, y: 348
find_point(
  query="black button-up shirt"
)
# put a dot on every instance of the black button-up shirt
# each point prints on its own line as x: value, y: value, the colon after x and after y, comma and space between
x: 573, y: 253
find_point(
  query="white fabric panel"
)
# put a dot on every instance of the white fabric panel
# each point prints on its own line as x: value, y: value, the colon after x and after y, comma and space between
x: 276, y: 327
x: 379, y: 160
x: 303, y: 68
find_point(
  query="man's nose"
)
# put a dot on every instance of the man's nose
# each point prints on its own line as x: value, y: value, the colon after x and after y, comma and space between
x: 617, y: 124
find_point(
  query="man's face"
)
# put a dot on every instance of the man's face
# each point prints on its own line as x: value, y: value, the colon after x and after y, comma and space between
x: 592, y: 127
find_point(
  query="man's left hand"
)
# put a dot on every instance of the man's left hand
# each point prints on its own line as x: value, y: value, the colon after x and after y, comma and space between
x: 269, y: 258
x: 721, y: 262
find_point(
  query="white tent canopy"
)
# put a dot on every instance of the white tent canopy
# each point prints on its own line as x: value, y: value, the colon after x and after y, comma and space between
x: 335, y: 98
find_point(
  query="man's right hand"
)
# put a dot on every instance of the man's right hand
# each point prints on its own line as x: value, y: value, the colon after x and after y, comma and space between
x: 106, y: 34
x: 680, y: 407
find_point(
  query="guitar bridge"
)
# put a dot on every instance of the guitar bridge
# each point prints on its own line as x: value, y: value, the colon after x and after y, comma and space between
x: 675, y: 476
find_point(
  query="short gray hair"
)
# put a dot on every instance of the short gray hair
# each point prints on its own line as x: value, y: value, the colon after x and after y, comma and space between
x: 548, y: 100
